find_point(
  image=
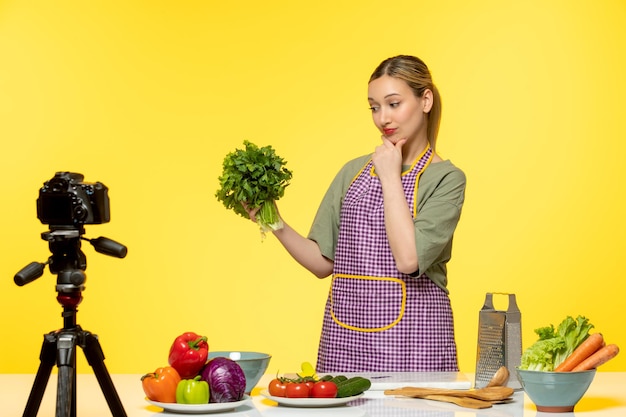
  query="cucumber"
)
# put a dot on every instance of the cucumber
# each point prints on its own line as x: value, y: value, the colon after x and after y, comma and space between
x: 339, y: 378
x: 353, y: 386
x: 326, y: 378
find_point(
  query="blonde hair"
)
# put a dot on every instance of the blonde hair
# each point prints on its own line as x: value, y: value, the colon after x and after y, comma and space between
x: 416, y: 74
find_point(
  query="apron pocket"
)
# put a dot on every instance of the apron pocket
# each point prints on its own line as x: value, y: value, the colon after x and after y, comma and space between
x: 367, y: 304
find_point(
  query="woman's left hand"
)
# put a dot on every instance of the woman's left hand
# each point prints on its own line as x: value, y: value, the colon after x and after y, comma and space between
x: 387, y: 158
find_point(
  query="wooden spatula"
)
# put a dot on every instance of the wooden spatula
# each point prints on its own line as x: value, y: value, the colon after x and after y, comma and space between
x: 484, y: 394
x: 461, y: 401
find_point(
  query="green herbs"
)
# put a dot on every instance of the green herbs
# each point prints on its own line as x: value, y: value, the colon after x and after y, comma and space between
x: 256, y: 177
x: 553, y: 345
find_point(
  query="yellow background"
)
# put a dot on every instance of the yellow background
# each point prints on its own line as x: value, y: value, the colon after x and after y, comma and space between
x: 149, y: 96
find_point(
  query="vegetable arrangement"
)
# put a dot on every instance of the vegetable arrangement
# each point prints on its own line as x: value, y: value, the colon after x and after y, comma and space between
x: 569, y: 347
x: 308, y: 385
x: 191, y: 379
x: 257, y: 177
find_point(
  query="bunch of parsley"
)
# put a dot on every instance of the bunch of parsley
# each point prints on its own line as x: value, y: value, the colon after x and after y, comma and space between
x: 257, y: 177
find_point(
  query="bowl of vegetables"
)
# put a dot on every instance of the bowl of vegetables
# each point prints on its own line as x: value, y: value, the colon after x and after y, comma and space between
x: 556, y: 370
x: 555, y: 391
x: 253, y: 364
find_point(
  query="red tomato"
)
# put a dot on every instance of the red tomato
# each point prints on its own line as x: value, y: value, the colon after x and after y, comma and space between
x: 310, y: 385
x: 277, y: 388
x: 297, y: 390
x: 324, y: 389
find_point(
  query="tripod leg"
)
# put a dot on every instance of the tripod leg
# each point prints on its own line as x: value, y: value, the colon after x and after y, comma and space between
x: 66, y: 386
x: 95, y: 358
x: 47, y: 359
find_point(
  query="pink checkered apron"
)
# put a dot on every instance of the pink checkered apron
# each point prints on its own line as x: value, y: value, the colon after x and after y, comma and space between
x: 376, y: 318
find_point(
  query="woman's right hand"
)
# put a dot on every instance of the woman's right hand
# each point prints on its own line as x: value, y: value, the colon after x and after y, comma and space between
x: 387, y: 158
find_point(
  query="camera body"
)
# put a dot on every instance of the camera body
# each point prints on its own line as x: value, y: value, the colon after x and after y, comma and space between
x: 65, y: 200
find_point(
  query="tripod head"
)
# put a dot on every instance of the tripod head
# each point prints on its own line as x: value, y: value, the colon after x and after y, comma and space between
x: 66, y: 203
x: 67, y: 259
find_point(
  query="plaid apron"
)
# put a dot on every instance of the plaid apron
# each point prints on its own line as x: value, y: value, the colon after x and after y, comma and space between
x: 377, y: 319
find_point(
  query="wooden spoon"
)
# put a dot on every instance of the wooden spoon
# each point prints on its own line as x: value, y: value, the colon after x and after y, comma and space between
x: 463, y: 402
x: 500, y: 378
x: 484, y: 394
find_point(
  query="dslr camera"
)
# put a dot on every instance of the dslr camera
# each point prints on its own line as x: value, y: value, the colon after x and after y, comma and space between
x: 65, y: 200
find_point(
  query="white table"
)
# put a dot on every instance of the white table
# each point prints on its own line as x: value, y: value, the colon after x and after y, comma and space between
x: 606, y: 397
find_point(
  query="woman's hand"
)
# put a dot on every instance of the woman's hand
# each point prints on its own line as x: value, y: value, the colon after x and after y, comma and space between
x: 251, y: 212
x: 387, y: 159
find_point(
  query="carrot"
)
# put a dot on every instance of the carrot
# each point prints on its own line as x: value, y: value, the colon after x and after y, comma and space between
x: 587, y: 348
x: 601, y: 356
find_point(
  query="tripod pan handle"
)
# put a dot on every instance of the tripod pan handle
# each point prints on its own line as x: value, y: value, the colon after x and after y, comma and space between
x: 29, y: 273
x: 109, y: 247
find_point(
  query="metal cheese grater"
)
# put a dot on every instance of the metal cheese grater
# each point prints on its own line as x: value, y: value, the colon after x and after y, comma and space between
x: 499, y: 341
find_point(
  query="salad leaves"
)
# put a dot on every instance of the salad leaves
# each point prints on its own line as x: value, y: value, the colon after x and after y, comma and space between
x: 554, y: 345
x: 257, y: 177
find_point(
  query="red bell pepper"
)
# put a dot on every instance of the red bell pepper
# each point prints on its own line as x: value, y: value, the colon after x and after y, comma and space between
x: 188, y: 354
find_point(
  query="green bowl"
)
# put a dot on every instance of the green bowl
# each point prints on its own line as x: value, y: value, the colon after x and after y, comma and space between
x: 253, y: 364
x: 555, y: 392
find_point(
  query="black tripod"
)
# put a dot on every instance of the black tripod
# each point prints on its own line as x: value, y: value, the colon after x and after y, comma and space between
x: 59, y: 347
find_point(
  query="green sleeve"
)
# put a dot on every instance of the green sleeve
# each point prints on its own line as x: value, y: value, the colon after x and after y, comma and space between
x: 441, y: 194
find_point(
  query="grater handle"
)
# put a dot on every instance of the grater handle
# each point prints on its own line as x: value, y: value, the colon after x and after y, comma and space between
x: 488, y: 302
x: 512, y: 308
x: 512, y: 304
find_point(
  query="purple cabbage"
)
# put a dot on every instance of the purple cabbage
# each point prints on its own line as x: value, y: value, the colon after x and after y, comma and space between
x: 227, y: 382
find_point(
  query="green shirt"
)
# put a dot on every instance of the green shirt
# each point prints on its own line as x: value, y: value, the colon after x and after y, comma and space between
x: 440, y: 196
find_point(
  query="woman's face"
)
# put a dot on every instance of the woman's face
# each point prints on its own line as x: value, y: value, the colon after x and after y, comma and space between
x: 397, y: 113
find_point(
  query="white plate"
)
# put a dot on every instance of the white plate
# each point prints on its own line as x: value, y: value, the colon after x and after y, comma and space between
x: 310, y: 402
x: 199, y: 408
x: 389, y: 380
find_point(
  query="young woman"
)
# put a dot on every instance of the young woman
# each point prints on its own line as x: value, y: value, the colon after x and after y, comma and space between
x: 384, y: 232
